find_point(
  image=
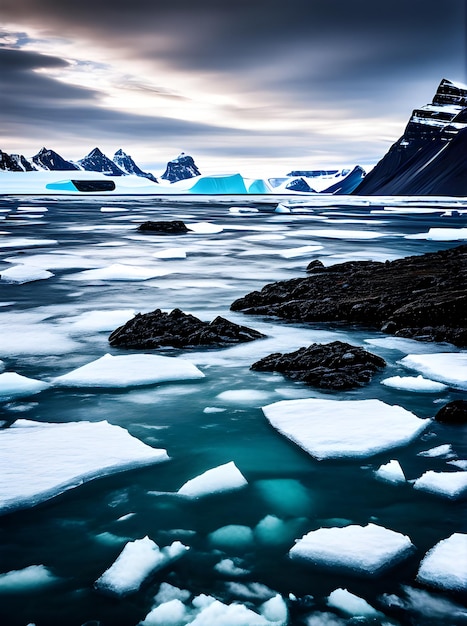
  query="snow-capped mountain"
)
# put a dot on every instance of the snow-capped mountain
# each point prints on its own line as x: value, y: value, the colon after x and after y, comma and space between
x: 431, y: 156
x: 347, y: 184
x: 298, y: 184
x: 47, y: 159
x: 96, y: 161
x: 14, y: 163
x: 125, y: 162
x: 181, y: 168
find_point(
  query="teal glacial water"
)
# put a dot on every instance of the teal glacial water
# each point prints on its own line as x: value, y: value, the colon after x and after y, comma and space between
x: 50, y: 327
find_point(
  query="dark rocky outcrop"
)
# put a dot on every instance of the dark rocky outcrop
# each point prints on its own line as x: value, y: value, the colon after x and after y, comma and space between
x: 453, y: 413
x: 97, y: 161
x: 335, y: 365
x: 181, y: 168
x: 14, y: 163
x: 47, y: 159
x: 175, y: 227
x: 126, y: 163
x: 423, y: 297
x: 179, y: 330
x: 349, y: 183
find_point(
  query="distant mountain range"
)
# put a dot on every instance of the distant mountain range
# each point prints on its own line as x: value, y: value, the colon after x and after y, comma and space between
x: 431, y: 156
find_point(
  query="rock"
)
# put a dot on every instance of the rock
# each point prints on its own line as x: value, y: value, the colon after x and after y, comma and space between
x: 335, y: 365
x: 179, y: 330
x: 423, y: 297
x: 175, y: 227
x: 454, y: 412
x: 181, y: 168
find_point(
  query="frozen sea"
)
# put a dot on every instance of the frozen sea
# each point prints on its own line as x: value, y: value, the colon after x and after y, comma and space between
x: 72, y: 497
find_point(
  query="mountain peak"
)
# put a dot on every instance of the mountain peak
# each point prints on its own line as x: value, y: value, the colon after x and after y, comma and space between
x: 125, y: 162
x: 181, y: 168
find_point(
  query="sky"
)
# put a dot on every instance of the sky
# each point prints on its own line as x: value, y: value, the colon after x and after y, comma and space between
x: 258, y: 87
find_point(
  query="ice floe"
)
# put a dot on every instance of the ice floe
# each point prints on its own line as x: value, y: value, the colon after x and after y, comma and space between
x: 418, y: 384
x: 28, y: 578
x: 136, y: 562
x: 228, y: 567
x: 130, y: 370
x: 409, y: 346
x: 365, y: 550
x: 171, y: 253
x: 445, y: 565
x: 41, y: 460
x: 25, y: 242
x: 119, y: 271
x: 273, y: 531
x: 444, y: 451
x: 13, y: 385
x: 450, y: 484
x: 441, y: 234
x: 243, y: 396
x: 204, y: 228
x: 96, y: 321
x: 351, y: 605
x: 21, y: 274
x: 447, y: 367
x: 343, y: 428
x: 219, y: 479
x: 391, y: 472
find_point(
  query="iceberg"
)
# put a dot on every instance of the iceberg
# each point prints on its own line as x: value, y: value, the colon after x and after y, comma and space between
x: 129, y: 370
x: 351, y: 604
x: 445, y: 565
x: 391, y: 472
x: 13, y: 385
x: 329, y: 429
x: 219, y: 479
x: 365, y: 550
x: 414, y: 383
x: 447, y: 367
x: 136, y: 562
x: 450, y: 484
x: 21, y: 274
x: 41, y: 460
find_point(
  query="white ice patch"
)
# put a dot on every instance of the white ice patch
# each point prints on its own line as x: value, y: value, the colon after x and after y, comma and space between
x: 170, y: 613
x: 343, y: 428
x: 54, y: 260
x: 365, y: 550
x: 441, y: 234
x: 118, y: 271
x: 445, y: 565
x: 41, y: 460
x: 30, y: 578
x: 409, y: 346
x: 130, y: 370
x: 112, y: 209
x: 351, y: 604
x: 169, y: 592
x: 243, y: 396
x: 97, y: 321
x: 219, y: 479
x: 232, y: 537
x: 217, y: 613
x: 391, y: 472
x: 21, y: 274
x: 447, y: 367
x: 414, y: 383
x: 444, y: 451
x: 13, y: 385
x: 25, y: 242
x: 204, y: 228
x: 450, y: 484
x: 250, y: 591
x: 171, y: 253
x: 227, y: 567
x: 136, y: 562
x: 460, y: 463
x: 34, y: 339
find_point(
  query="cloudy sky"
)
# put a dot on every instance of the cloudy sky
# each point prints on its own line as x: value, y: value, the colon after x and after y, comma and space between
x: 253, y: 86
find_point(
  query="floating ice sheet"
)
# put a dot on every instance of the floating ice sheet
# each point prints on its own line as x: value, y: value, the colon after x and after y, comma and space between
x: 13, y: 385
x: 243, y: 396
x: 219, y: 479
x: 21, y: 274
x: 441, y: 234
x: 20, y: 581
x: 25, y: 242
x: 351, y: 604
x: 366, y: 550
x: 204, y: 228
x: 445, y: 565
x: 130, y: 370
x: 41, y: 460
x: 232, y: 537
x: 391, y: 471
x: 343, y: 428
x: 444, y: 451
x: 450, y: 484
x: 118, y: 271
x: 447, y: 367
x: 414, y: 383
x: 171, y: 253
x: 96, y: 321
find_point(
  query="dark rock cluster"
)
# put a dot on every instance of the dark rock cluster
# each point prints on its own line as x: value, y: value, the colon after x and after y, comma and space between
x: 174, y: 227
x: 454, y: 412
x: 179, y: 330
x: 422, y: 297
x: 335, y: 365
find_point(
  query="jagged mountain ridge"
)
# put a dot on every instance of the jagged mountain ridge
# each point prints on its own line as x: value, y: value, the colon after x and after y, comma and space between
x: 126, y: 163
x: 181, y: 168
x: 14, y: 163
x: 97, y: 161
x: 431, y: 156
x: 47, y: 159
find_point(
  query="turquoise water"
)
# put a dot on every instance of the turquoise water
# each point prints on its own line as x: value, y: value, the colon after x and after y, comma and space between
x: 77, y: 535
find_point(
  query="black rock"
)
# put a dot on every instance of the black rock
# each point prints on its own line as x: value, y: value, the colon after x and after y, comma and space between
x: 181, y: 168
x: 125, y: 162
x: 175, y: 227
x: 423, y: 297
x: 50, y: 160
x: 453, y: 413
x: 179, y: 330
x: 335, y: 365
x: 14, y: 163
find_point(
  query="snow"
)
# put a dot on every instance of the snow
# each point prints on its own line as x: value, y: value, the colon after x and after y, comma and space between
x: 447, y: 367
x: 13, y: 385
x: 136, y: 562
x: 113, y: 209
x: 414, y: 383
x: 130, y: 370
x: 233, y: 536
x: 41, y: 460
x: 119, y: 271
x: 228, y: 567
x: 243, y: 396
x: 365, y: 550
x: 450, y: 484
x: 169, y: 592
x: 343, y: 428
x: 204, y: 228
x: 219, y: 479
x: 391, y: 472
x: 171, y: 253
x: 97, y: 321
x: 445, y: 565
x: 351, y: 604
x: 441, y: 234
x: 444, y: 451
x: 23, y: 580
x: 21, y: 274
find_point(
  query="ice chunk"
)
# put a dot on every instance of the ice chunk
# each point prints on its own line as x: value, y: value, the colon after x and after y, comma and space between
x: 171, y: 253
x: 118, y: 271
x: 34, y: 338
x: 136, y: 562
x: 219, y: 614
x: 461, y: 463
x: 401, y: 344
x: 204, y: 228
x: 13, y: 385
x: 351, y: 604
x: 436, y: 608
x: 445, y: 565
x: 249, y: 591
x: 282, y: 208
x: 171, y: 613
x: 441, y: 234
x: 391, y: 472
x: 234, y: 537
x: 343, y: 428
x: 41, y: 460
x: 450, y: 484
x: 275, y: 610
x: 21, y: 274
x: 96, y: 321
x: 365, y: 550
x: 414, y: 383
x: 25, y: 242
x: 225, y: 477
x: 444, y: 451
x: 130, y: 370
x: 229, y: 568
x: 285, y: 496
x: 169, y: 592
x: 446, y: 367
x: 244, y: 396
x: 23, y: 580
x: 112, y: 209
